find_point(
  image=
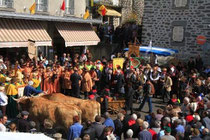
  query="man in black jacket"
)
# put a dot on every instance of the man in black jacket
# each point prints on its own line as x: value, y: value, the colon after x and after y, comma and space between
x: 98, y: 126
x: 119, y: 82
x: 75, y: 78
x: 23, y: 123
x: 88, y: 129
x: 119, y: 125
x: 129, y: 92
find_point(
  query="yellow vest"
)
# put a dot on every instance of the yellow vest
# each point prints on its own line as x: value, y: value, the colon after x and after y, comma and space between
x: 11, y: 90
x: 36, y: 83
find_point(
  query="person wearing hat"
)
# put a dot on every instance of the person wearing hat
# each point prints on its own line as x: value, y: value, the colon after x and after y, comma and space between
x: 30, y: 90
x: 168, y: 135
x: 12, y: 92
x: 23, y: 123
x: 93, y: 75
x: 87, y: 83
x: 3, y: 100
x: 48, y: 86
x: 75, y: 80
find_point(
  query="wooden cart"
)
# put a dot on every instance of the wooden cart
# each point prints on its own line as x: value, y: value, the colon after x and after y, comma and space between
x: 115, y: 106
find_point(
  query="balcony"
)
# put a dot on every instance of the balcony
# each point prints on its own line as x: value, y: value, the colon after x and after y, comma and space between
x: 114, y: 3
x: 6, y: 3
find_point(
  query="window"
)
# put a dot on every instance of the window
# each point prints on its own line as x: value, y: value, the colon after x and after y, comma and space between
x: 116, y: 2
x: 178, y: 33
x: 70, y: 7
x: 42, y: 5
x: 180, y: 3
x: 6, y: 3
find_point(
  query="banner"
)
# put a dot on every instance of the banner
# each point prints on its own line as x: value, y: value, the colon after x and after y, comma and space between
x: 135, y: 62
x: 31, y: 49
x: 133, y: 50
x: 118, y: 62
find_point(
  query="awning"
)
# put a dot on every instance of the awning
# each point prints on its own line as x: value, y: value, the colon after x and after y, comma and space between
x: 77, y: 34
x: 16, y: 33
x: 112, y: 12
x: 104, y: 11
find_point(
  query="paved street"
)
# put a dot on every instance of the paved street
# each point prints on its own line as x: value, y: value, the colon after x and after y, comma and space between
x: 156, y: 103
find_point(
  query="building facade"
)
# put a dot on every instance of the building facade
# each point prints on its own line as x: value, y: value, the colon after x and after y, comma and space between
x: 52, y: 29
x: 178, y: 24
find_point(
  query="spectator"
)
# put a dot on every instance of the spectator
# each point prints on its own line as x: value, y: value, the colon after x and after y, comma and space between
x: 75, y: 129
x: 48, y: 128
x: 195, y: 134
x: 118, y: 125
x: 3, y: 120
x: 145, y: 134
x: 3, y: 100
x: 12, y: 127
x: 88, y: 130
x: 98, y: 126
x: 129, y: 135
x: 23, y: 123
x: 108, y: 121
x: 167, y: 135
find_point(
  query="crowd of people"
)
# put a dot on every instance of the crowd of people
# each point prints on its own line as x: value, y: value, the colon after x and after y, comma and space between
x: 184, y: 88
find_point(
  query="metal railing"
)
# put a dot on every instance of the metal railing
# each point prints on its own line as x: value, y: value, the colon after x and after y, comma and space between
x: 6, y: 3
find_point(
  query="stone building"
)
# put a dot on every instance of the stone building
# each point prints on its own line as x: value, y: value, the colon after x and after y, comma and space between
x: 177, y: 24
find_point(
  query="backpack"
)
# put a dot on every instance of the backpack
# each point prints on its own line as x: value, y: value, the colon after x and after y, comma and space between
x: 152, y: 89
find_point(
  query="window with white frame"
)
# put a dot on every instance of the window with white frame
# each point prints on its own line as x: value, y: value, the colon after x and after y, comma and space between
x: 42, y: 5
x: 178, y: 33
x: 6, y: 3
x: 180, y: 3
x: 69, y: 7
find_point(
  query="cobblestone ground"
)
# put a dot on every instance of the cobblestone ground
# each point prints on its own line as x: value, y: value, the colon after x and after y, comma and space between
x: 156, y: 104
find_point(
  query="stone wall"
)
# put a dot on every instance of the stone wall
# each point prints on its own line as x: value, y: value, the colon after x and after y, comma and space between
x: 160, y: 18
x: 132, y: 6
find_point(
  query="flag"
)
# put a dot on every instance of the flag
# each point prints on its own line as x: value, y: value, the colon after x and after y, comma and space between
x: 87, y: 14
x: 102, y: 10
x: 91, y: 3
x: 33, y: 8
x: 63, y: 6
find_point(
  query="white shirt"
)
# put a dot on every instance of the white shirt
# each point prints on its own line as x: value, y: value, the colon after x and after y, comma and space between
x: 3, y: 99
x: 2, y: 128
x: 3, y: 66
